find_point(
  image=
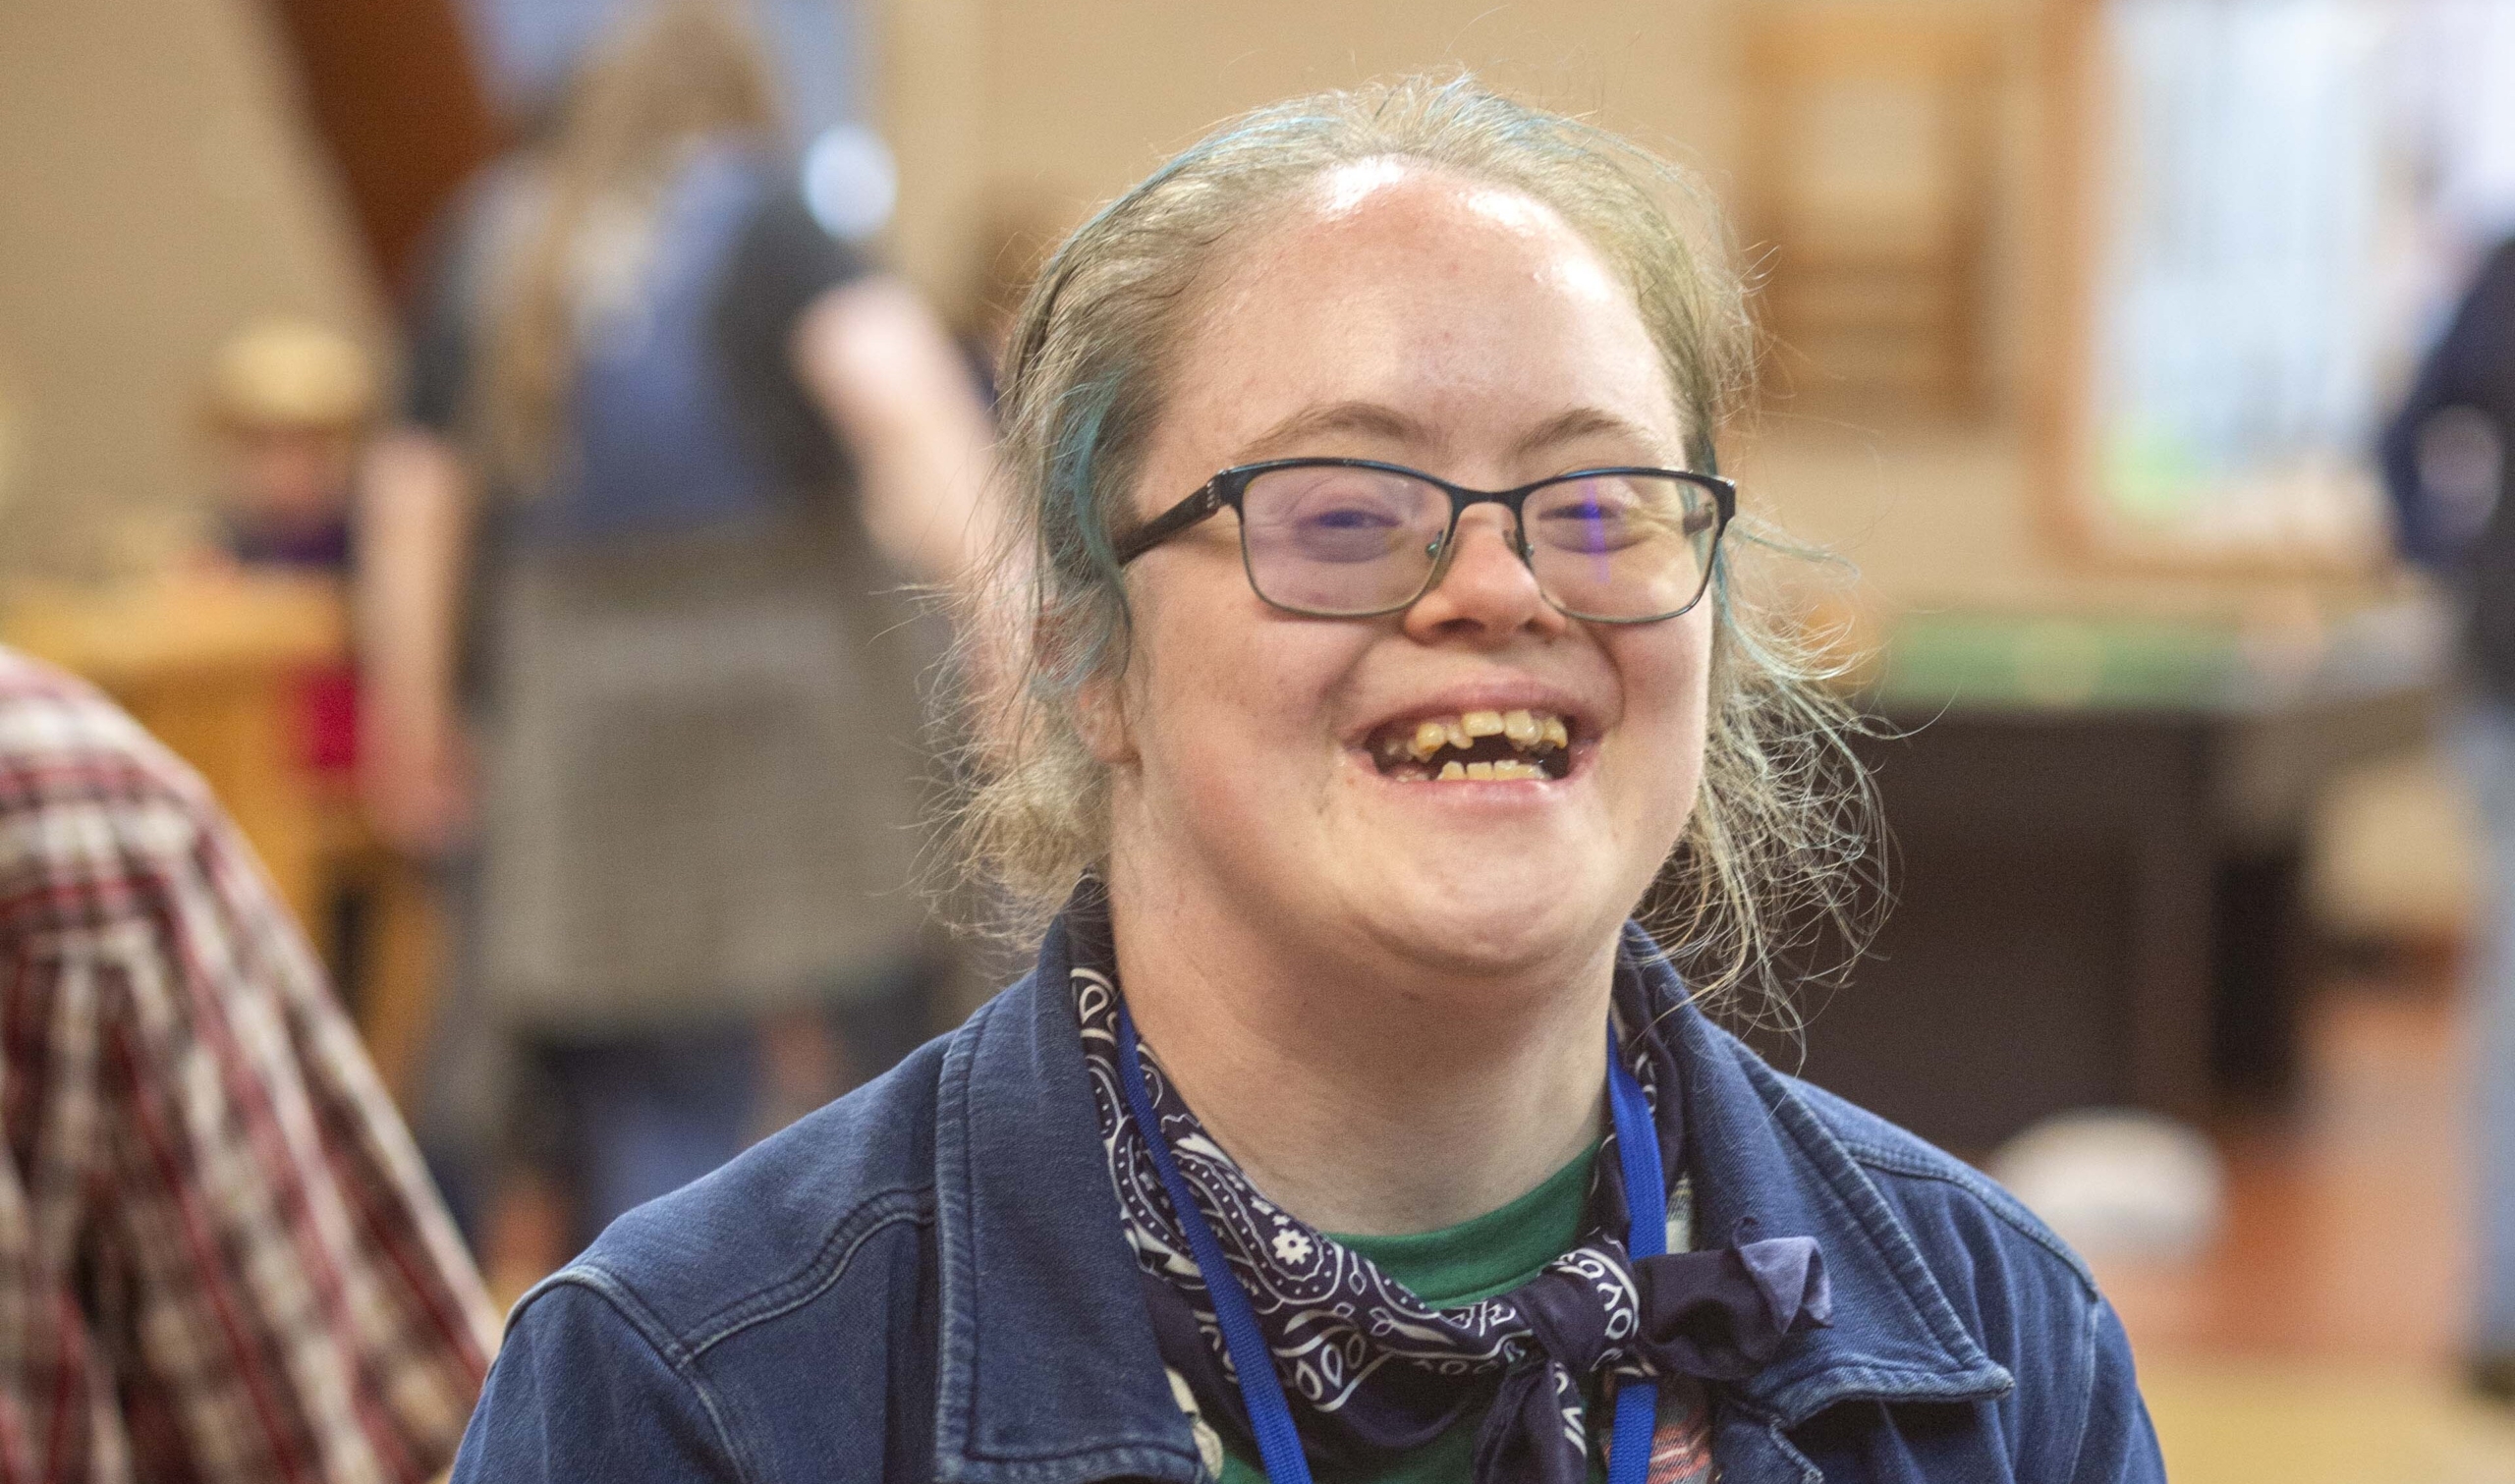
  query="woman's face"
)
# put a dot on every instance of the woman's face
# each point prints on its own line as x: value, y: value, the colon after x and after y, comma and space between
x: 1405, y: 314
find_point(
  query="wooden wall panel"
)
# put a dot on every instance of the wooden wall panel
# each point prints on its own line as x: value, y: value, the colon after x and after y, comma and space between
x: 390, y: 86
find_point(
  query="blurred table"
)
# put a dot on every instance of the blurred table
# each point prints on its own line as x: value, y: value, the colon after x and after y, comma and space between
x: 2097, y: 837
x: 214, y: 666
x: 210, y: 666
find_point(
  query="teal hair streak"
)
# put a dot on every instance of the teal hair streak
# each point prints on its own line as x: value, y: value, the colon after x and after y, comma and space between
x: 1080, y: 559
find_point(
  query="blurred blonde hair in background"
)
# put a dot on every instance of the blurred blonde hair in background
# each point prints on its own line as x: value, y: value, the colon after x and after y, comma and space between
x: 678, y: 73
x: 290, y: 373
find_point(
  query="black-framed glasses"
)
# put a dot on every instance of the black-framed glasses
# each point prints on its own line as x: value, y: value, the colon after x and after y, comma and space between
x: 1350, y: 538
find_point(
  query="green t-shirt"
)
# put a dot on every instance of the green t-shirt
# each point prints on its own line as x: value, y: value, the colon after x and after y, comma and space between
x: 1490, y: 1254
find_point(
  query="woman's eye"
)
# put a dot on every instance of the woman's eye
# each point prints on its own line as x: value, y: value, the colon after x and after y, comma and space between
x: 1587, y: 525
x: 1601, y: 514
x: 1349, y: 518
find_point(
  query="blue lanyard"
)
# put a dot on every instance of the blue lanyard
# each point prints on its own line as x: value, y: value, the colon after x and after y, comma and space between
x: 1261, y: 1392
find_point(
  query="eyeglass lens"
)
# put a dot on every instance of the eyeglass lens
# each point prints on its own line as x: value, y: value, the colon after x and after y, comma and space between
x: 1338, y: 541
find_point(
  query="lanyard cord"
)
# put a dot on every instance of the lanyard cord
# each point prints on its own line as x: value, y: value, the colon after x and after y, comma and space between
x: 1645, y: 1202
x: 1261, y: 1392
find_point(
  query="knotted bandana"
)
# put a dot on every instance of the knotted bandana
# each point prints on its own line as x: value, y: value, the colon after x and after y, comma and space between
x: 1371, y: 1369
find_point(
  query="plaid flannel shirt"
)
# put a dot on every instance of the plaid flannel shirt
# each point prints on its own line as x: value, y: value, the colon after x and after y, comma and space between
x: 219, y: 1258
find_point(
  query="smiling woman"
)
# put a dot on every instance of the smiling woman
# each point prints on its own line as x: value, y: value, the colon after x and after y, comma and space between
x: 1375, y: 649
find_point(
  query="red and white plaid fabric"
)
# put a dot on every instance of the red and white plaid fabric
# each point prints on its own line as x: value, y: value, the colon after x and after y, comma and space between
x: 219, y: 1258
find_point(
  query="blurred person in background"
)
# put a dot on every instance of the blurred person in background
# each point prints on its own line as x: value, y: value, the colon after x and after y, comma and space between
x: 220, y: 1260
x: 671, y: 453
x: 288, y: 405
x: 2446, y: 461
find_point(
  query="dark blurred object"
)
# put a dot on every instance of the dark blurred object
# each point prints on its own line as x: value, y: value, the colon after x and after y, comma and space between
x: 2097, y: 830
x: 392, y: 90
x: 2494, y: 1377
x: 2446, y: 460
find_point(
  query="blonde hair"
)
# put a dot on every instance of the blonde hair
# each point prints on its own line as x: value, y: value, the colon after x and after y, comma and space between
x: 682, y: 72
x: 1782, y: 808
x: 290, y: 373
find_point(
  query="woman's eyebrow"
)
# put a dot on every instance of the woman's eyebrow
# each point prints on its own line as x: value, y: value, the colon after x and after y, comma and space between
x: 1373, y: 419
x: 1370, y: 419
x: 1588, y: 422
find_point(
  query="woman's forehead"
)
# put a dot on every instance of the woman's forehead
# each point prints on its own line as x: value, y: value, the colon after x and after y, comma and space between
x: 1347, y: 189
x: 1443, y: 297
x: 1375, y: 208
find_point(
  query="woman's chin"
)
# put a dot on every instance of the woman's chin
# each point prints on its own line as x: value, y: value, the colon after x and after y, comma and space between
x: 1483, y: 919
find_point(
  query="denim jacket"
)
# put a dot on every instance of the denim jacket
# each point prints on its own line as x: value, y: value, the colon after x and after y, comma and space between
x: 926, y: 1281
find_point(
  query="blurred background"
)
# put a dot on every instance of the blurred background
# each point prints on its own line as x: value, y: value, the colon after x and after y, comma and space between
x: 2087, y: 321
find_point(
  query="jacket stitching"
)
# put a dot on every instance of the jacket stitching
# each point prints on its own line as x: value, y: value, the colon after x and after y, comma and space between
x: 878, y: 1214
x: 2086, y: 1398
x: 957, y: 1322
x: 651, y: 1330
x: 956, y: 1333
x: 1804, y: 1124
x: 1992, y: 1200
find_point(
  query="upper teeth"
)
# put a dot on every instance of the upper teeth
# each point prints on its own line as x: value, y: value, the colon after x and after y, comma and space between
x: 1528, y: 731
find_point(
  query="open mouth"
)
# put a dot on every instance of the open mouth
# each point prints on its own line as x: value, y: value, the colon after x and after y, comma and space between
x: 1500, y: 747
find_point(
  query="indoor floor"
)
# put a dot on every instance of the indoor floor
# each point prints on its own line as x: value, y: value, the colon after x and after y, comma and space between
x: 2318, y: 1337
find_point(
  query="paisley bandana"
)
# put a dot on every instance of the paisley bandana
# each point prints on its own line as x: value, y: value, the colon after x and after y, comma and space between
x: 1372, y: 1371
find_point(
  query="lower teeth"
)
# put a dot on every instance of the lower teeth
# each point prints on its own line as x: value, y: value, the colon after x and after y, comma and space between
x: 1506, y: 771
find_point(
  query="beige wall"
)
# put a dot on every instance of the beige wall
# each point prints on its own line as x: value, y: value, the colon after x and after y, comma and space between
x: 1074, y: 101
x: 156, y: 191
x: 1088, y: 97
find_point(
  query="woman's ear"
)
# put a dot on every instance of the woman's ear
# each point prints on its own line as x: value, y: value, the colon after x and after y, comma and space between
x: 1097, y: 704
x: 1101, y: 719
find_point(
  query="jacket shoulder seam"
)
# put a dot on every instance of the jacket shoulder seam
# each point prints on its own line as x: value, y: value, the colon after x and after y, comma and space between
x: 658, y: 1337
x: 1991, y: 1198
x: 828, y: 1264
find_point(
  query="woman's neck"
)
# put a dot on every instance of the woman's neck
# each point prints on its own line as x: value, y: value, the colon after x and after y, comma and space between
x: 1374, y: 1098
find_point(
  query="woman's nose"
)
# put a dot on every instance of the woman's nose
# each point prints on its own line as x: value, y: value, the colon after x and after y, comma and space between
x: 1486, y: 587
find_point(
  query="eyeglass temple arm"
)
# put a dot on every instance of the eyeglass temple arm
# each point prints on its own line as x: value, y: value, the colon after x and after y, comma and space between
x: 1178, y: 518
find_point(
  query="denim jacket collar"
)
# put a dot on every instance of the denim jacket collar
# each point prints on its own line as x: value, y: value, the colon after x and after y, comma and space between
x: 1761, y: 1152
x: 1036, y: 1275
x: 1037, y: 1278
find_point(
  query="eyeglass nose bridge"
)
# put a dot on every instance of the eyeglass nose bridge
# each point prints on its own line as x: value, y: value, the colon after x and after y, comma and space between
x: 1515, y: 534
